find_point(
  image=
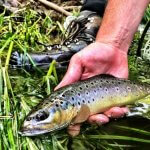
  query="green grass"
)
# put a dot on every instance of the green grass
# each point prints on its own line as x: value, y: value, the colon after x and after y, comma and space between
x: 21, y: 90
x: 146, y: 15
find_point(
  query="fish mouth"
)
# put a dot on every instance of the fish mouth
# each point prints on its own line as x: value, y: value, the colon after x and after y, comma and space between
x: 36, y: 132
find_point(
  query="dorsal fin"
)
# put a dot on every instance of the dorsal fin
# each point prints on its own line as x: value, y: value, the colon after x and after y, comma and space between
x: 107, y: 76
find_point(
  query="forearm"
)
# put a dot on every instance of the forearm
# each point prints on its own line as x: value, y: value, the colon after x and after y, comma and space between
x: 120, y: 22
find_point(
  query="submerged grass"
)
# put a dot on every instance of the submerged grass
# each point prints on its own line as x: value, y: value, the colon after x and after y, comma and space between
x: 21, y: 90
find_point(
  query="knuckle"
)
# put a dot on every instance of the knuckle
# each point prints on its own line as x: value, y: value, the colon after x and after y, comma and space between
x: 76, y: 58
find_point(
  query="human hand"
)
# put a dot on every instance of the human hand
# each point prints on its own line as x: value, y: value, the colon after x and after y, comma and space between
x: 97, y: 58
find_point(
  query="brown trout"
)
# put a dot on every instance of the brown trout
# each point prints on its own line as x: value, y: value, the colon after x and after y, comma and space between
x: 75, y: 103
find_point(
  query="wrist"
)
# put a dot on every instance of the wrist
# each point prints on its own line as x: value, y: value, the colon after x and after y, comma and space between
x: 107, y: 50
x: 115, y: 42
x: 121, y: 38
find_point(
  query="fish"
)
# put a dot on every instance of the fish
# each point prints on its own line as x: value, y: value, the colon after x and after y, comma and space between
x: 74, y: 103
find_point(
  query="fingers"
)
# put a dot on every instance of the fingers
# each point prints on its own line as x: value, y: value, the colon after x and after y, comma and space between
x: 74, y: 130
x: 74, y: 72
x: 98, y: 119
x: 116, y: 112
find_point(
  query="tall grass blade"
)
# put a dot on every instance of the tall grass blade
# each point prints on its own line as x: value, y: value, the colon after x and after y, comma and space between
x: 115, y: 137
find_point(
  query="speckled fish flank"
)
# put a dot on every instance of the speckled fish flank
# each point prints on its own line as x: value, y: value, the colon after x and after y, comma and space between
x: 75, y: 103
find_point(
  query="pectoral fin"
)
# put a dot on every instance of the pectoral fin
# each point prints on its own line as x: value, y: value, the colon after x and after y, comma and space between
x: 82, y: 115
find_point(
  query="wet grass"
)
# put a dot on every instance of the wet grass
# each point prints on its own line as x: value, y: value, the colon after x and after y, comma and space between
x: 21, y: 90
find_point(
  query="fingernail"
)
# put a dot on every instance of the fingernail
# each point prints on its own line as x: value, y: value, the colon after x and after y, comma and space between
x: 74, y: 132
x: 109, y: 115
x: 58, y: 86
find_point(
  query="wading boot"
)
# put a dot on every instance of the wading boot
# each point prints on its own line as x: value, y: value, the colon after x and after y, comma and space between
x: 81, y: 31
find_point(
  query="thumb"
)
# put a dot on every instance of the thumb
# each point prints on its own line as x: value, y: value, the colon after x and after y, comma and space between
x: 73, y: 74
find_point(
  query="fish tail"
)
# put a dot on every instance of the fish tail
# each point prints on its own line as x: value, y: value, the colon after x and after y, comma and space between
x: 140, y: 108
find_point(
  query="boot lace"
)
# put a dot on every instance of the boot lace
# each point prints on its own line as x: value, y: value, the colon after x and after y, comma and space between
x: 74, y: 32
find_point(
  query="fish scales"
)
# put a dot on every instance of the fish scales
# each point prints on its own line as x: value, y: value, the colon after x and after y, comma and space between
x: 95, y: 93
x: 76, y: 102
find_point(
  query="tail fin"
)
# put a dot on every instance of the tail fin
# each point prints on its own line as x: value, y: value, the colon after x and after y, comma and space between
x: 141, y: 108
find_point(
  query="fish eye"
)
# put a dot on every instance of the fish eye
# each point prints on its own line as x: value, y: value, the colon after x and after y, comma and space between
x: 41, y: 116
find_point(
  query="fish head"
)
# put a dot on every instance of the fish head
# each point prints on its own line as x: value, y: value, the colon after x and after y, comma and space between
x: 48, y: 119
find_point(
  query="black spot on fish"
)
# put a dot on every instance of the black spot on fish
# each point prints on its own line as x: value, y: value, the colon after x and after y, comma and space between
x: 94, y: 91
x: 73, y: 105
x: 86, y: 86
x: 61, y: 102
x: 126, y: 81
x: 133, y: 83
x: 92, y: 83
x: 78, y: 103
x: 36, y: 107
x: 88, y: 101
x: 128, y: 88
x: 80, y: 88
x: 79, y: 94
x: 93, y: 99
x: 66, y: 104
x: 137, y: 95
x: 117, y: 89
x: 63, y: 95
x: 56, y: 105
x: 102, y: 97
x: 142, y: 84
x: 83, y: 101
x: 106, y: 89
x: 72, y: 98
x: 72, y: 91
x: 51, y: 100
x: 87, y: 93
x: 107, y: 81
x: 119, y: 82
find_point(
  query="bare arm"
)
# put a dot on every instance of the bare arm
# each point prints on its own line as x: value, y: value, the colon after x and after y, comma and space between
x: 120, y: 22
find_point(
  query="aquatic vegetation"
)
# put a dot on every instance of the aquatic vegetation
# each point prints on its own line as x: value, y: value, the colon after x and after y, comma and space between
x: 21, y: 90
